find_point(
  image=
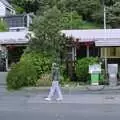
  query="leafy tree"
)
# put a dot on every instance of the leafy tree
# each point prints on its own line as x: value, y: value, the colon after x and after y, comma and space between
x: 19, y: 10
x: 33, y: 5
x: 47, y: 33
x: 83, y: 7
x: 47, y: 30
x: 26, y: 5
x: 88, y: 10
x: 113, y: 15
x: 108, y: 2
x: 71, y: 20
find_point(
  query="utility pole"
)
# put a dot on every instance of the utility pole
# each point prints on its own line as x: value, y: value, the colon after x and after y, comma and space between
x: 105, y: 28
x: 71, y: 17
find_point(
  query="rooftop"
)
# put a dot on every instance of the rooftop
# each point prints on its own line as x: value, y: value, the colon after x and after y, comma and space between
x: 6, y: 3
x: 92, y: 34
x: 13, y: 37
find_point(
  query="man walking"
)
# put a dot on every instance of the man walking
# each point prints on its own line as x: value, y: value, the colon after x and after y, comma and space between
x: 55, y: 83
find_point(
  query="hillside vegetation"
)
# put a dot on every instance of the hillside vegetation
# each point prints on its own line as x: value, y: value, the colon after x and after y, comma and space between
x: 90, y: 10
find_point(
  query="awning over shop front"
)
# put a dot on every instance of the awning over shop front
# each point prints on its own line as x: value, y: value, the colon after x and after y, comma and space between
x: 108, y: 42
x: 101, y: 37
x: 13, y: 37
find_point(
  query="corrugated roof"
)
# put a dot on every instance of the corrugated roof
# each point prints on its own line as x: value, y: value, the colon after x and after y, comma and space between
x: 108, y: 42
x: 92, y: 35
x: 6, y: 3
x: 13, y: 37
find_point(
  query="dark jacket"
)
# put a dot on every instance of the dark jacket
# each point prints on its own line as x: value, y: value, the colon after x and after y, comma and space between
x: 55, y: 74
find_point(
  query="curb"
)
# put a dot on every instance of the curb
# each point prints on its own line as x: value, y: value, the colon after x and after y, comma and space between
x: 81, y: 88
x: 47, y: 88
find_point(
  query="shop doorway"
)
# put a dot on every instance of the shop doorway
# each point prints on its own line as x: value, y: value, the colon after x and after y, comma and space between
x: 14, y: 54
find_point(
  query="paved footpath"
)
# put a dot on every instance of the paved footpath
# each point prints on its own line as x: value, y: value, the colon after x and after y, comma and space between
x: 3, y: 78
x: 81, y: 99
x: 76, y: 95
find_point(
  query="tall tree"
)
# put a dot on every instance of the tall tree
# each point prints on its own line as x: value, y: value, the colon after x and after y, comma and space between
x: 26, y: 5
x: 83, y: 7
x: 47, y: 33
x: 113, y: 15
x: 47, y: 30
x: 108, y: 2
x: 72, y: 20
x: 89, y: 10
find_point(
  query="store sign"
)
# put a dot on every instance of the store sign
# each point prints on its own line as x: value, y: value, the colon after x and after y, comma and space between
x: 96, y: 68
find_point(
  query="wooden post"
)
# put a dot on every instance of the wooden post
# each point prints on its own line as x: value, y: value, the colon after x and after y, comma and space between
x: 88, y: 55
x: 6, y: 58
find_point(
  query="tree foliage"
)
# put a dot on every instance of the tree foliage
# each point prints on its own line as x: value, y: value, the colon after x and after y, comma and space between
x: 26, y: 5
x: 82, y: 67
x: 89, y: 10
x: 47, y: 33
x: 47, y: 30
x: 72, y: 20
x: 29, y: 70
x: 113, y: 15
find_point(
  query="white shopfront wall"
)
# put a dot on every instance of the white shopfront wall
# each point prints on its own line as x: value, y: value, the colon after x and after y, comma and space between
x: 12, y: 39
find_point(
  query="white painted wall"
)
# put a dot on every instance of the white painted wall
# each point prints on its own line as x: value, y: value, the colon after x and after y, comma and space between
x: 9, y: 11
x: 2, y: 9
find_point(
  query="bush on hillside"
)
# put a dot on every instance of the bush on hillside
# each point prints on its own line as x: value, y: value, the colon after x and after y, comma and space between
x: 82, y: 68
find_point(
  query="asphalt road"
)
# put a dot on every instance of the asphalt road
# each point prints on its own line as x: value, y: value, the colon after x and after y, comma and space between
x: 30, y: 105
x: 61, y: 112
x: 16, y: 106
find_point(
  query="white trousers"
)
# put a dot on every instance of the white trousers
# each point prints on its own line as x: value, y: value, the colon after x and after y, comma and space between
x: 55, y: 88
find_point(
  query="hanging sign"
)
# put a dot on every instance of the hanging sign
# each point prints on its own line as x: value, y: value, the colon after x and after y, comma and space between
x: 96, y: 68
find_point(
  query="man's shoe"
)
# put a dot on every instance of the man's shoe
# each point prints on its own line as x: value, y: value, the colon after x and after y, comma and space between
x: 59, y: 99
x: 48, y: 99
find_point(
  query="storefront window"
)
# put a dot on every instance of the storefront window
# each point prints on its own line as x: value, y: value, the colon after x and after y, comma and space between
x: 111, y: 52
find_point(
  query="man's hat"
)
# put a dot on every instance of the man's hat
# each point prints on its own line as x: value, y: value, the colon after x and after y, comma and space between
x: 55, y: 65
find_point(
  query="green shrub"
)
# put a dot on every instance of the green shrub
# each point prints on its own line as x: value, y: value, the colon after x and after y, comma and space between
x: 28, y: 70
x: 45, y: 80
x: 64, y: 81
x: 41, y: 62
x: 103, y: 80
x: 82, y: 68
x: 21, y: 74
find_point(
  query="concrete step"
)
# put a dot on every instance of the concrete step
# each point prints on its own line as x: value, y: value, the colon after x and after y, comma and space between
x: 3, y: 76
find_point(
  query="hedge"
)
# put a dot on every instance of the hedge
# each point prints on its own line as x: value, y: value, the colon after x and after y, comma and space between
x: 82, y: 68
x: 29, y: 70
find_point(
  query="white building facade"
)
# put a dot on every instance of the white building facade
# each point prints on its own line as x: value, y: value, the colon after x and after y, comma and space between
x: 6, y: 9
x: 17, y: 36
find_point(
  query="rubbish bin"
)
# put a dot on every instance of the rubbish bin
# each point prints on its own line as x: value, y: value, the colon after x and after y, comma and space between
x: 95, y: 71
x: 95, y: 78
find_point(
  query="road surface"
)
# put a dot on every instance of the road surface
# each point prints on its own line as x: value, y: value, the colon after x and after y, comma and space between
x: 30, y: 105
